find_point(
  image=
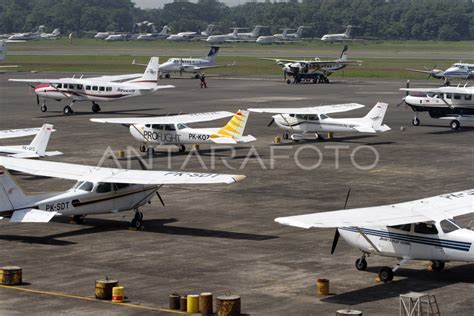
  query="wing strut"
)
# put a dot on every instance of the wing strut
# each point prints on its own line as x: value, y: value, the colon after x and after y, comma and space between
x: 368, y: 240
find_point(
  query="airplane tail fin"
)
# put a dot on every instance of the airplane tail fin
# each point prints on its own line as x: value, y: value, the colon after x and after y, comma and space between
x: 11, y: 195
x: 375, y: 117
x: 40, y: 142
x: 234, y: 129
x: 3, y: 50
x: 256, y: 31
x: 165, y: 30
x: 299, y: 31
x: 151, y: 72
x: 56, y: 32
x: 348, y: 30
x: 212, y: 55
x: 343, y: 56
x: 209, y: 30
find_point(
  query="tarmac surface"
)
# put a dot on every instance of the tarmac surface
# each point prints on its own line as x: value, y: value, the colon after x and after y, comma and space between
x: 223, y: 238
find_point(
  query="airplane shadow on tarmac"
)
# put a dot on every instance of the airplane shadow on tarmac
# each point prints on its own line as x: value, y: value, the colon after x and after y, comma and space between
x: 159, y: 226
x: 415, y: 281
x: 129, y: 111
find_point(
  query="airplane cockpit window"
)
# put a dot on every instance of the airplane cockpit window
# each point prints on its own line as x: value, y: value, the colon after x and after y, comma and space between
x: 449, y: 95
x: 169, y: 127
x: 300, y: 116
x: 424, y: 228
x: 181, y: 126
x: 323, y: 116
x: 468, y: 97
x: 448, y: 226
x: 120, y: 186
x: 431, y: 94
x: 57, y: 85
x: 292, y: 115
x: 104, y: 188
x: 404, y: 227
x: 84, y: 186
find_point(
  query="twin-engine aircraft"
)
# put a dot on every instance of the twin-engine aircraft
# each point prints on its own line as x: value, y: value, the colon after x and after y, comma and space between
x: 97, y: 191
x: 461, y: 71
x: 301, y: 121
x: 282, y: 38
x: 315, y: 70
x: 416, y: 230
x: 445, y: 103
x: 36, y: 149
x: 97, y: 89
x: 173, y: 129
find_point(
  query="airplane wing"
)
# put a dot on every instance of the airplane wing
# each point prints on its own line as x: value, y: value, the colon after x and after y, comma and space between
x: 216, y: 66
x: 449, y: 89
x: 324, y: 109
x: 429, y: 209
x: 114, y: 175
x: 172, y: 119
x: 35, y: 80
x: 420, y: 71
x: 14, y: 133
x: 117, y: 78
x: 278, y: 60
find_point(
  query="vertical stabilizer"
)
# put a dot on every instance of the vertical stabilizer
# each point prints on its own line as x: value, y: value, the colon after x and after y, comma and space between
x: 151, y: 72
x: 11, y: 195
x: 299, y: 32
x: 343, y: 56
x: 40, y: 142
x: 376, y: 115
x: 212, y: 55
x: 235, y: 127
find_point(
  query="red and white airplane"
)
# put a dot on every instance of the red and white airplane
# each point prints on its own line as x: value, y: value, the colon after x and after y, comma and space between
x: 96, y: 89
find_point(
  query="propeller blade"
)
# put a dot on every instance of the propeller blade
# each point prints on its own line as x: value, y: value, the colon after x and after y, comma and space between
x: 37, y: 99
x: 159, y: 196
x: 334, y: 241
x: 271, y: 122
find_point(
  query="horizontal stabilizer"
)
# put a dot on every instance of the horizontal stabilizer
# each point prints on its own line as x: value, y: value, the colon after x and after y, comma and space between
x: 365, y: 129
x: 246, y: 139
x: 25, y: 155
x: 383, y: 128
x: 31, y: 216
x: 223, y: 140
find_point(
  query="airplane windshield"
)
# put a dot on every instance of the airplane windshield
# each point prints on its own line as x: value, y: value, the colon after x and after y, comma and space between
x: 448, y: 226
x: 181, y: 126
x: 84, y: 186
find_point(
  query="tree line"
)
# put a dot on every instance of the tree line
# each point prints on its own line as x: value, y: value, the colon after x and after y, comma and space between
x: 384, y: 19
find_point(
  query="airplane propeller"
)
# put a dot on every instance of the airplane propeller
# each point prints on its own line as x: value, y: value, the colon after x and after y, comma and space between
x: 431, y: 71
x: 336, y: 234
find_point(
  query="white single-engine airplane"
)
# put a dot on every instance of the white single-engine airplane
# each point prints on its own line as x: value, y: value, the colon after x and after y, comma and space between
x: 36, y: 149
x: 417, y: 230
x: 315, y: 70
x: 445, y: 103
x: 97, y: 89
x: 172, y: 130
x: 301, y: 121
x: 97, y: 191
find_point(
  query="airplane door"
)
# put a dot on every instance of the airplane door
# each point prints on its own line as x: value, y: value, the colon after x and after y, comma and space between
x: 395, y: 240
x: 104, y: 198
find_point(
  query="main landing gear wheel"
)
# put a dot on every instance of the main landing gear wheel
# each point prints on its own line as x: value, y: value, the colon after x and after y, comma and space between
x: 416, y: 121
x: 78, y: 219
x: 286, y: 136
x: 67, y: 110
x: 142, y: 148
x: 361, y: 264
x: 386, y: 274
x: 95, y: 108
x: 182, y: 148
x: 167, y: 76
x: 437, y: 265
x: 197, y: 76
x: 137, y: 221
x: 288, y: 81
x: 150, y: 151
x: 455, y: 125
x: 44, y: 108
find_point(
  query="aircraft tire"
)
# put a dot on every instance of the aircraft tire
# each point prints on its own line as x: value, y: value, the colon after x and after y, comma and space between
x: 182, y: 148
x: 167, y: 76
x: 416, y: 121
x: 44, y: 108
x: 455, y: 125
x: 67, y: 110
x: 437, y: 265
x: 150, y: 151
x: 142, y: 148
x: 361, y: 264
x: 95, y: 108
x: 386, y: 274
x: 288, y: 81
x: 137, y: 220
x: 285, y: 136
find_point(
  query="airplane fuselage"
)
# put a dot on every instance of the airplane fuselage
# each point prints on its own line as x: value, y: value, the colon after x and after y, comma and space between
x: 314, y: 123
x: 171, y: 134
x: 184, y: 65
x: 304, y: 67
x: 442, y: 104
x: 413, y: 242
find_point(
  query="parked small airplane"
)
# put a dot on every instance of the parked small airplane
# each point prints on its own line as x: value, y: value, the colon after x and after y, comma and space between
x: 301, y: 121
x: 105, y: 88
x: 97, y: 191
x: 316, y: 70
x: 54, y: 35
x: 282, y: 38
x: 417, y: 230
x: 341, y: 37
x: 164, y: 33
x: 461, y: 71
x: 3, y: 55
x: 116, y: 37
x: 446, y: 103
x: 235, y: 36
x: 20, y: 37
x: 191, y: 65
x: 173, y: 129
x: 36, y: 149
x: 187, y: 36
x: 102, y: 35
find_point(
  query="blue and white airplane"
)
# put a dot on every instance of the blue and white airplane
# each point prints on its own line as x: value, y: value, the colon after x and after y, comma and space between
x: 191, y: 65
x: 416, y: 230
x: 462, y: 71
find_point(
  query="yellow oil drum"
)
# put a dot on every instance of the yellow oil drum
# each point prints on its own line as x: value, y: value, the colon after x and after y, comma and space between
x: 103, y: 289
x: 10, y: 275
x: 121, y: 154
x: 228, y: 305
x: 205, y: 304
x: 277, y: 140
x: 323, y: 287
x: 330, y: 135
x: 117, y: 294
x: 192, y: 303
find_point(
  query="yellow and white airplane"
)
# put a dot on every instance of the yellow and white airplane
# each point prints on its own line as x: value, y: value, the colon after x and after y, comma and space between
x: 97, y: 191
x: 173, y: 129
x: 417, y: 230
